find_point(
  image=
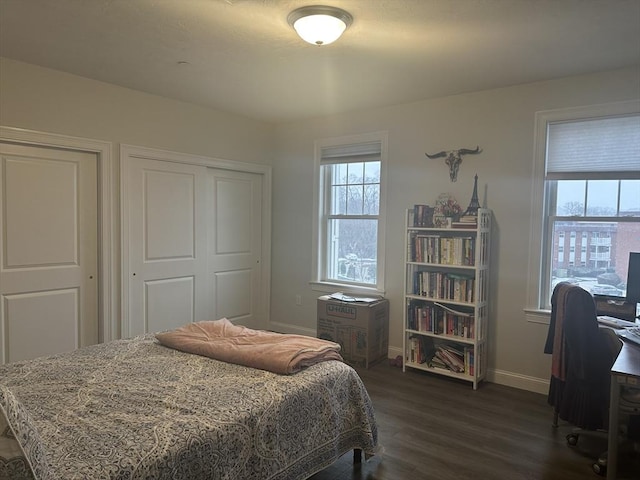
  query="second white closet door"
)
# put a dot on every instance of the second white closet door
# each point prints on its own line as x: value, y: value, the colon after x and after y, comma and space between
x: 167, y: 245
x: 234, y: 264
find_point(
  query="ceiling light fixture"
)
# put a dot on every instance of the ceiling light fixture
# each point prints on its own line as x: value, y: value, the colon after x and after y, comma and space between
x: 318, y: 24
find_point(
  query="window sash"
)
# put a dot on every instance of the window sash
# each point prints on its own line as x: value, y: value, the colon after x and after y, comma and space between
x: 361, y: 148
x: 600, y: 249
x: 339, y: 272
x: 329, y: 270
x: 625, y: 202
x: 547, y: 261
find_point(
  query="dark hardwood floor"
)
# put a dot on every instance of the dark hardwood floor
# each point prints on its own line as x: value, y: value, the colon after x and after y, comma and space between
x: 433, y: 427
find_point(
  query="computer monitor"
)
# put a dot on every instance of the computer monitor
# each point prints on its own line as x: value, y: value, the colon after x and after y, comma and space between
x: 627, y: 307
x: 633, y: 278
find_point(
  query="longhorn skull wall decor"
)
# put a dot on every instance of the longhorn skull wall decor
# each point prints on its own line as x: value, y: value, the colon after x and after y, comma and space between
x: 453, y: 159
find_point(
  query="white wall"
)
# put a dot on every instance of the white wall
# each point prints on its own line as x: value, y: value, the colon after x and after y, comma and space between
x: 500, y: 121
x: 47, y: 100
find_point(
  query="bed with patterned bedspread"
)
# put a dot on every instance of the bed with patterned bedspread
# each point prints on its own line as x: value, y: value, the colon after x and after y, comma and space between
x: 134, y: 409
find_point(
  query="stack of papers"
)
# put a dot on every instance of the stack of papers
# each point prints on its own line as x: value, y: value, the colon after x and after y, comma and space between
x: 615, y: 322
x: 631, y: 334
x: 350, y: 298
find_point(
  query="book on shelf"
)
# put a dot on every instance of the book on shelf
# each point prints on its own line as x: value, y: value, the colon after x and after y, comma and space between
x: 421, y: 216
x: 460, y: 313
x: 441, y: 250
x: 466, y: 221
x: 436, y: 362
x: 437, y: 319
x: 469, y: 360
x: 456, y: 326
x: 422, y: 349
x: 456, y: 362
x: 446, y: 356
x: 452, y: 358
x: 443, y: 286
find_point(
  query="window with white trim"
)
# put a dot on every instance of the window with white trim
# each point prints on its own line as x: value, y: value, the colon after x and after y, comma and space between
x: 586, y: 186
x: 349, y: 243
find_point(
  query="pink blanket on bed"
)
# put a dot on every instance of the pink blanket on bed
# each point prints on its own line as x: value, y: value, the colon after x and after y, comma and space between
x: 276, y: 352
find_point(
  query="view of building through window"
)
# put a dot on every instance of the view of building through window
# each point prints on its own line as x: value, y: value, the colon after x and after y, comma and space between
x: 595, y: 225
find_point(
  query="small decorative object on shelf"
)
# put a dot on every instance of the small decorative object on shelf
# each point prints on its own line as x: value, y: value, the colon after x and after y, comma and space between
x: 469, y: 219
x: 474, y: 204
x: 446, y: 296
x: 447, y: 211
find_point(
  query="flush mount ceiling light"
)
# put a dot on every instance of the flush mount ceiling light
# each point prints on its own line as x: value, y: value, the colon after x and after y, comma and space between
x: 318, y: 24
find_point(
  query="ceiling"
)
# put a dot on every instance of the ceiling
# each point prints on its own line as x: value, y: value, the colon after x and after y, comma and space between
x: 241, y: 56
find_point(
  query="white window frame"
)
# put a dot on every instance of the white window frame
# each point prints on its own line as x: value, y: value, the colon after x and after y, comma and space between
x: 319, y: 248
x: 533, y: 309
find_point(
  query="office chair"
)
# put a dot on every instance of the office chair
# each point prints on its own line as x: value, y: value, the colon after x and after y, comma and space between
x: 582, y: 357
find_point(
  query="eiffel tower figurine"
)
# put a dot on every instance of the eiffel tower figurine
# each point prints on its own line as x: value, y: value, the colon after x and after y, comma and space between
x: 474, y: 204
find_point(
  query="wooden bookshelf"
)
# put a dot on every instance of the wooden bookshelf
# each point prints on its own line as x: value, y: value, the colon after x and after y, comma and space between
x: 446, y: 298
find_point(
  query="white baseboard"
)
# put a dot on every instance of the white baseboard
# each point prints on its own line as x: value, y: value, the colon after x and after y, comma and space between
x: 288, y: 328
x: 394, y: 352
x: 523, y: 382
x: 509, y: 379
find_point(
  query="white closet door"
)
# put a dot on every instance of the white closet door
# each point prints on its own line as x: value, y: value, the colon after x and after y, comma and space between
x: 166, y: 239
x: 235, y: 242
x: 48, y: 251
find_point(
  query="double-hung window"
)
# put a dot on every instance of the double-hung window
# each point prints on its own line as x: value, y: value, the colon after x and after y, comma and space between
x: 586, y: 211
x: 349, y: 221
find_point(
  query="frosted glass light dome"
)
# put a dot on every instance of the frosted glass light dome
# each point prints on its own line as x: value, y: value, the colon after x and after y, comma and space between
x: 319, y: 25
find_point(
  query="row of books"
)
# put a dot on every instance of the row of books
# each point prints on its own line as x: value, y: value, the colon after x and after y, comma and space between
x: 421, y: 216
x: 427, y: 248
x: 437, y: 319
x: 443, y: 285
x: 423, y: 350
x: 466, y: 221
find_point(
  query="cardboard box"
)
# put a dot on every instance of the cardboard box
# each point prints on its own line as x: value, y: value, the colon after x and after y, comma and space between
x: 361, y: 329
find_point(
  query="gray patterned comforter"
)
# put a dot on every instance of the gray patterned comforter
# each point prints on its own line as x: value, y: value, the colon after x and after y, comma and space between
x: 133, y: 409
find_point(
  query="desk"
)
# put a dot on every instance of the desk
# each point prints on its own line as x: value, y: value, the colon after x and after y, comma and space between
x: 625, y: 372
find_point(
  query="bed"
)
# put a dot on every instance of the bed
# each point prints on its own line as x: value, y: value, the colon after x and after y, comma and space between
x: 135, y: 409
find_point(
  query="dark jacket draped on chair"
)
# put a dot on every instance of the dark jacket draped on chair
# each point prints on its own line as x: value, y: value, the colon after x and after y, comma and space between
x: 581, y: 359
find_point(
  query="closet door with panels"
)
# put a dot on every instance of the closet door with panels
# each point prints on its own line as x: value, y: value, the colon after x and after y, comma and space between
x: 192, y: 242
x: 234, y: 247
x: 166, y: 239
x: 48, y: 251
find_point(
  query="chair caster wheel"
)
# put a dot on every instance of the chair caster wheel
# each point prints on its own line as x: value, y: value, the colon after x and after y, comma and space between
x: 600, y: 469
x: 572, y: 439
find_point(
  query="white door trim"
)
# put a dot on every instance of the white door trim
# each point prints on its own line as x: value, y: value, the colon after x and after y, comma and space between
x: 133, y: 151
x: 107, y: 302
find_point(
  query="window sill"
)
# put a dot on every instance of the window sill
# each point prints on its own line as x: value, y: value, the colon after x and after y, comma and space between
x: 537, y: 315
x: 327, y: 287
